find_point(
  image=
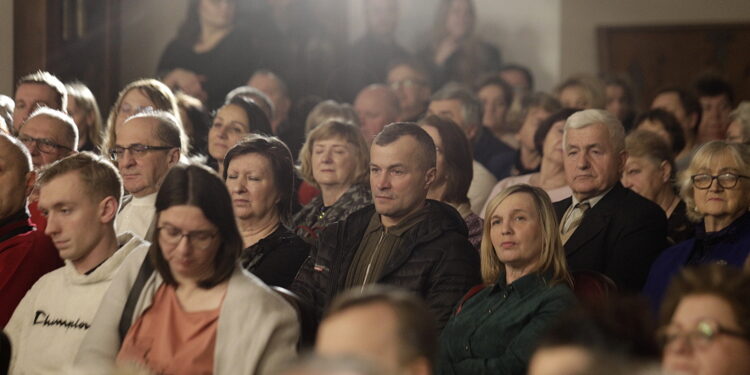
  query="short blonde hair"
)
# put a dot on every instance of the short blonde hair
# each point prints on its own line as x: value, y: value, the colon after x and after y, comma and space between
x: 702, y: 159
x: 332, y: 129
x: 552, y: 258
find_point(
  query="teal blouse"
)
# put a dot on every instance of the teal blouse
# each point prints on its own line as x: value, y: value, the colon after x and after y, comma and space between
x: 497, y: 329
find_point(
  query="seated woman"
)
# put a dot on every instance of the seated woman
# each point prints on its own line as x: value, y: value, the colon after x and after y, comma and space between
x: 496, y: 96
x: 454, y: 171
x: 739, y: 129
x: 135, y: 97
x: 199, y: 313
x: 335, y: 159
x: 705, y: 326
x: 649, y: 171
x: 527, y: 286
x: 535, y: 108
x: 665, y: 125
x: 716, y: 191
x: 233, y: 121
x: 551, y: 175
x: 84, y: 110
x: 259, y: 174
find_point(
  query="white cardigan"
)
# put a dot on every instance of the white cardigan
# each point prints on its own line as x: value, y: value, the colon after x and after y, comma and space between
x: 257, y: 330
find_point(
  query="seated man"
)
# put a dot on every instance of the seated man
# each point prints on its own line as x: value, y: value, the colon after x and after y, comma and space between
x: 40, y: 89
x: 404, y: 340
x: 146, y: 146
x: 410, y: 80
x: 404, y: 239
x: 605, y: 227
x: 25, y: 253
x: 377, y: 106
x: 80, y: 196
x: 49, y: 134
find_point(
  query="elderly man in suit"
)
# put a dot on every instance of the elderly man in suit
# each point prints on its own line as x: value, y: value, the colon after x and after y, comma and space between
x: 605, y: 227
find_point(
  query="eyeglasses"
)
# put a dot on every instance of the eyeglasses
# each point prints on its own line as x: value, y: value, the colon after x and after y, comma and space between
x: 136, y: 150
x: 44, y: 145
x: 199, y: 239
x: 406, y: 83
x: 699, y: 337
x: 725, y: 180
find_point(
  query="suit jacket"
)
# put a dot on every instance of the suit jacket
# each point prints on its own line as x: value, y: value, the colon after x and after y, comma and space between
x: 620, y: 237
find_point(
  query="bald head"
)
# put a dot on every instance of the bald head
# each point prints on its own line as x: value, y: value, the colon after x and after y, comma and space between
x: 276, y: 90
x: 377, y: 106
x: 16, y: 176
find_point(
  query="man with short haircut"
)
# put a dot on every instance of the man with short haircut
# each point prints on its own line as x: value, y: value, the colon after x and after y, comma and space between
x: 716, y: 98
x: 147, y: 145
x: 376, y: 106
x: 409, y: 79
x: 80, y: 195
x: 25, y: 253
x: 605, y: 227
x: 403, y: 239
x: 404, y: 340
x: 40, y: 89
x: 459, y: 104
x: 50, y: 135
x: 686, y: 109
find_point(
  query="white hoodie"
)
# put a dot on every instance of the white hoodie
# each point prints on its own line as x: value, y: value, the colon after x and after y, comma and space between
x: 49, y: 324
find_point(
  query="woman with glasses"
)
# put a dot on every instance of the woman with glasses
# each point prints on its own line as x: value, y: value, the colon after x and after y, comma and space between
x: 233, y: 121
x: 706, y: 322
x: 135, y: 97
x: 259, y: 174
x: 185, y: 306
x: 716, y: 191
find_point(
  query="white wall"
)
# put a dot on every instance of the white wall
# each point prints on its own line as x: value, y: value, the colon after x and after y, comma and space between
x: 147, y: 27
x: 580, y: 18
x: 6, y: 47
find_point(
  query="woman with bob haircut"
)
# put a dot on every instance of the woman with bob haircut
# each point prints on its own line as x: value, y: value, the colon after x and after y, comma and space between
x: 259, y: 174
x: 135, y: 97
x: 526, y: 287
x: 704, y: 322
x: 716, y: 191
x: 334, y: 159
x: 84, y: 110
x: 199, y: 312
x: 236, y: 119
x: 454, y: 171
x: 649, y: 171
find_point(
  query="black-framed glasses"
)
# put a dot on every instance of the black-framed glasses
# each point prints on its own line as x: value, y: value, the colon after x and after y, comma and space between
x: 199, y: 239
x: 136, y: 150
x: 699, y: 337
x: 44, y: 145
x: 725, y: 180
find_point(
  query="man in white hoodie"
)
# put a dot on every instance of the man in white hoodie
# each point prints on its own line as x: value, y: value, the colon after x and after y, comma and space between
x: 80, y: 196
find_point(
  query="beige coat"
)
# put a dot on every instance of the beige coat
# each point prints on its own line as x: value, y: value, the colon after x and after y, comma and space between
x: 257, y: 330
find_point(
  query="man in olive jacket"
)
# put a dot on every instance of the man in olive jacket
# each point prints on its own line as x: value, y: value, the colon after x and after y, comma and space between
x: 403, y: 239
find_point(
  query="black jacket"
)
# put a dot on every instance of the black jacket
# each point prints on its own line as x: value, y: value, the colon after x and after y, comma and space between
x: 620, y: 237
x: 276, y: 258
x: 435, y: 261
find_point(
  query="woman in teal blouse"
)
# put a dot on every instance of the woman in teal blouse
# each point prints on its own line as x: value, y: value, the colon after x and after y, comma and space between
x: 527, y: 286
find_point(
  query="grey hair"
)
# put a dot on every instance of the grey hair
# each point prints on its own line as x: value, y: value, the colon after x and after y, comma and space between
x: 253, y: 94
x: 168, y: 130
x: 742, y: 114
x: 71, y: 130
x: 589, y: 117
x: 471, y: 108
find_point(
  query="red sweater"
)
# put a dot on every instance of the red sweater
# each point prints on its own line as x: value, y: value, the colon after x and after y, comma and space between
x: 25, y: 255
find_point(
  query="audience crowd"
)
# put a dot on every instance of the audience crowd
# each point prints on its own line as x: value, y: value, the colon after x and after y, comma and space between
x: 245, y: 211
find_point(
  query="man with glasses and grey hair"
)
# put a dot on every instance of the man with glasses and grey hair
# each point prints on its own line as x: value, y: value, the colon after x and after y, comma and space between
x: 50, y: 135
x: 147, y: 145
x: 605, y: 227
